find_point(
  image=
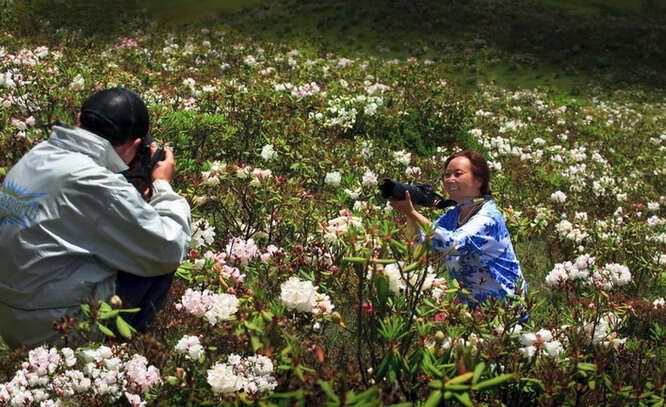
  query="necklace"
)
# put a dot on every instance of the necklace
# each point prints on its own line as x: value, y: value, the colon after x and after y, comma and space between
x: 475, y: 208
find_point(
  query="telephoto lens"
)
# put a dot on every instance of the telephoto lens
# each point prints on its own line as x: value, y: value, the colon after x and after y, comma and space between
x: 420, y: 194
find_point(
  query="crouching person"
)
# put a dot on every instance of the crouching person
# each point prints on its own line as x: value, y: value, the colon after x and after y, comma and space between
x: 69, y: 221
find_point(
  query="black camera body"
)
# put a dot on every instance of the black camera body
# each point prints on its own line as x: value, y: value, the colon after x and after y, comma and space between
x: 420, y: 194
x: 141, y: 167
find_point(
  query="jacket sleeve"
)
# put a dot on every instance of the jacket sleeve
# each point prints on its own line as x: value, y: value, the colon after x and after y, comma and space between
x: 137, y: 237
x: 469, y: 238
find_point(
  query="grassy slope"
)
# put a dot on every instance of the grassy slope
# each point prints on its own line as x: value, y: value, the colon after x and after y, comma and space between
x: 565, y: 46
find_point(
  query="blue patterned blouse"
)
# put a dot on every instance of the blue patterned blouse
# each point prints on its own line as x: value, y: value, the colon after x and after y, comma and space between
x: 481, y: 255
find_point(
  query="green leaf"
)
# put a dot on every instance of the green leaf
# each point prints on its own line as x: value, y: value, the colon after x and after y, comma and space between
x: 435, y: 384
x: 256, y: 343
x: 383, y: 289
x: 429, y: 366
x: 106, y: 331
x: 367, y: 395
x: 108, y: 314
x: 86, y: 309
x: 355, y: 259
x: 478, y: 371
x: 328, y: 390
x: 411, y: 267
x: 124, y: 329
x: 384, y: 261
x: 383, y: 367
x: 457, y: 387
x: 434, y: 399
x: 460, y: 379
x: 494, y: 382
x: 299, y: 373
x: 129, y: 310
x: 589, y: 367
x: 397, y: 247
x: 464, y: 399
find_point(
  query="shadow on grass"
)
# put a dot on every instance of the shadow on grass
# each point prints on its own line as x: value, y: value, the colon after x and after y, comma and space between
x: 563, y: 44
x: 617, y: 43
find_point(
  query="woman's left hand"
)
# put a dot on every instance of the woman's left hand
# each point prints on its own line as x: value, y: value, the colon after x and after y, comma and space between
x: 403, y: 206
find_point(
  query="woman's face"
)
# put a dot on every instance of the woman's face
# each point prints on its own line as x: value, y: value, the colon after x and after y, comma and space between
x: 459, y: 181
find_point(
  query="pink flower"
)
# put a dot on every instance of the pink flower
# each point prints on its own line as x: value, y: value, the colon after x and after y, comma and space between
x: 134, y: 400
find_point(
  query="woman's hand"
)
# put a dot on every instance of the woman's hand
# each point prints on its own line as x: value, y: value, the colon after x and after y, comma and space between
x: 403, y: 206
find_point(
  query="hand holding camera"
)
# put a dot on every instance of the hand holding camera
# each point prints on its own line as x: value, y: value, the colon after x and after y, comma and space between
x: 150, y: 163
x: 164, y: 168
x: 419, y: 194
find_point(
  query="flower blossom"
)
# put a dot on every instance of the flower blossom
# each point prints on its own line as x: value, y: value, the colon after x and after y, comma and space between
x: 369, y: 179
x: 202, y: 234
x: 333, y: 178
x: 303, y: 296
x: 252, y: 374
x: 268, y: 153
x: 190, y: 346
x: 558, y: 197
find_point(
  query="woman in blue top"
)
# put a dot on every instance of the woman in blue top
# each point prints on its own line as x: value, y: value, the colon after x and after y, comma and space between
x: 472, y: 234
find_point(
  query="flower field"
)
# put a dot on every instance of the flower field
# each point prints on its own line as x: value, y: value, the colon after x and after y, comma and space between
x: 301, y: 287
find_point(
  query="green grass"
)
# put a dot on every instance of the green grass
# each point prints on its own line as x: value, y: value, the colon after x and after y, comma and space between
x: 563, y: 46
x: 568, y: 46
x: 186, y: 11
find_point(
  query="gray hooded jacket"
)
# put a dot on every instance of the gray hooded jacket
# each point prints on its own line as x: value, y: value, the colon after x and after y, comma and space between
x: 68, y: 222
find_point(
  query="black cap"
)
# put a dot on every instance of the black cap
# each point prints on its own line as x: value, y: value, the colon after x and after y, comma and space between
x: 117, y: 114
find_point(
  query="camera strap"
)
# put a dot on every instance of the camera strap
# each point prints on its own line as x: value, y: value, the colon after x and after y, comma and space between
x: 475, y: 201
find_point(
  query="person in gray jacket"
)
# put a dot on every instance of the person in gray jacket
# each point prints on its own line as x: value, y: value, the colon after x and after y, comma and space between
x: 72, y: 228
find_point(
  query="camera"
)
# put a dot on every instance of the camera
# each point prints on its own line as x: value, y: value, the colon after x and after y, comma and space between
x: 141, y: 167
x: 420, y: 194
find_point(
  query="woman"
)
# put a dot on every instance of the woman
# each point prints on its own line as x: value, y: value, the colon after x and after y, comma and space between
x: 473, y: 234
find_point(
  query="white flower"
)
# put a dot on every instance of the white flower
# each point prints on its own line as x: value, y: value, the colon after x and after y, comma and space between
x: 298, y: 295
x: 397, y: 284
x: 528, y: 338
x: 189, y: 82
x: 413, y: 171
x: 78, y: 82
x: 223, y: 307
x: 558, y: 197
x: 653, y: 206
x: 544, y: 335
x: 7, y: 81
x: 190, y: 347
x: 402, y: 157
x: 70, y: 358
x: 654, y: 221
x: 369, y: 179
x: 553, y: 348
x: 659, y: 302
x: 353, y: 194
x: 222, y: 379
x: 528, y: 351
x: 267, y: 152
x: 618, y: 274
x: 202, y: 234
x: 333, y: 178
x: 19, y: 124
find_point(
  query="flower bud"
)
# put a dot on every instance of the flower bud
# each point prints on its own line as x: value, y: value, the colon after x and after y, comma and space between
x: 116, y: 302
